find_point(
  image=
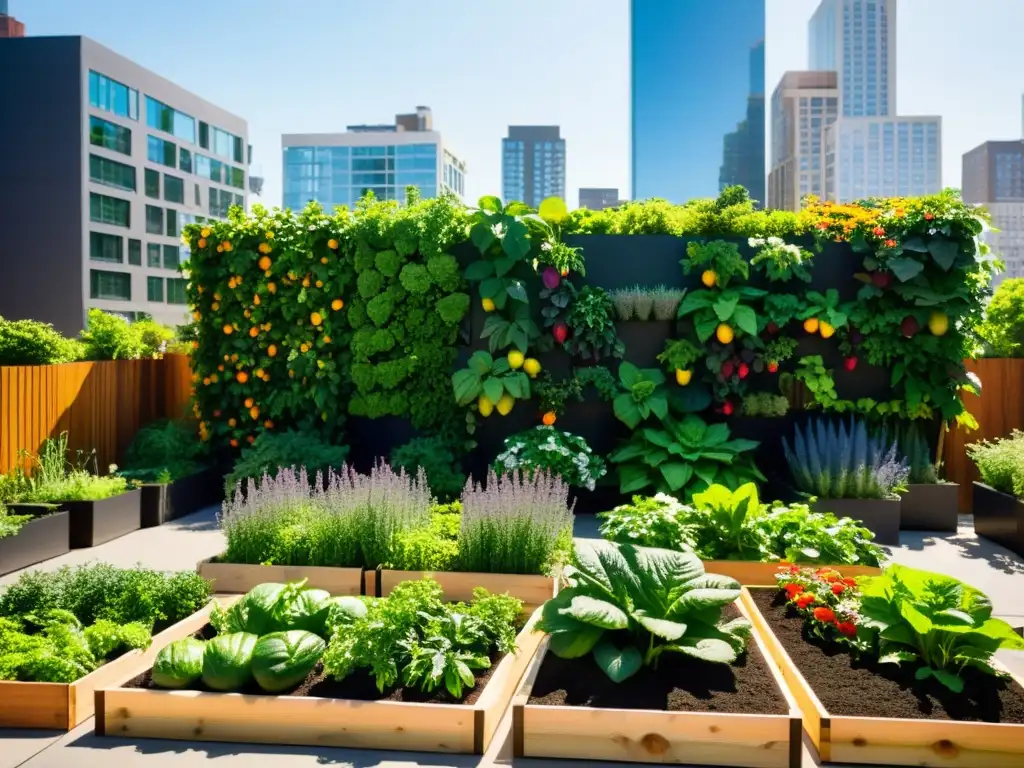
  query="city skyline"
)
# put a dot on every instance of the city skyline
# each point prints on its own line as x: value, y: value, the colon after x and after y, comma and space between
x: 938, y: 73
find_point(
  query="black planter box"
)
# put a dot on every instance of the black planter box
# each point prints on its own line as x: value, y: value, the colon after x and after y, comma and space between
x: 880, y: 516
x: 930, y: 507
x: 97, y: 522
x: 40, y: 539
x: 999, y: 516
x: 162, y: 502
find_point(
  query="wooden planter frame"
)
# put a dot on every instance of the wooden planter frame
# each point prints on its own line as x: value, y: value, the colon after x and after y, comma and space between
x: 319, y: 722
x: 65, y: 705
x: 239, y: 578
x: 651, y: 736
x: 753, y: 574
x: 532, y: 590
x: 891, y: 741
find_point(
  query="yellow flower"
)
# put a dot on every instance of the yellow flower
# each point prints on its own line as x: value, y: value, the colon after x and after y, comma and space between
x: 269, y: 235
x: 319, y: 283
x: 205, y: 232
x: 315, y: 318
x: 337, y: 304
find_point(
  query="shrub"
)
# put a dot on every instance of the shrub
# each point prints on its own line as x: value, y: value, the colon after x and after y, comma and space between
x: 514, y: 524
x: 28, y: 342
x: 437, y: 459
x: 156, y: 338
x: 165, y: 449
x: 111, y: 337
x: 272, y: 451
x: 765, y: 404
x: 1001, y: 462
x: 11, y: 524
x: 434, y: 548
x: 1003, y: 328
x: 551, y: 450
x: 53, y: 478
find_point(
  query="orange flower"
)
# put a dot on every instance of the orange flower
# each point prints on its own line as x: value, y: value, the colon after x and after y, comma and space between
x: 323, y: 259
x: 196, y: 315
x: 823, y: 614
x: 315, y: 318
x: 256, y: 299
x: 259, y: 373
x: 929, y: 216
x: 216, y: 296
x: 249, y: 402
x: 254, y: 412
x: 228, y: 330
x: 247, y: 314
x: 202, y: 244
x: 264, y: 262
x: 319, y: 283
x: 271, y: 287
x: 272, y: 350
x: 220, y: 249
x: 337, y: 304
x: 327, y: 339
x: 878, y: 232
x: 226, y: 245
x: 205, y: 232
x: 268, y: 424
x: 206, y: 381
x: 266, y: 326
x: 305, y: 282
x: 254, y: 332
x: 241, y: 377
x: 303, y: 347
x: 220, y: 367
x: 213, y: 378
x: 890, y: 243
x: 332, y: 244
x: 250, y: 439
x: 264, y: 248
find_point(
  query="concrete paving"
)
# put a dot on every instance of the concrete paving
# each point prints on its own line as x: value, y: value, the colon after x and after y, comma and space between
x: 181, y: 544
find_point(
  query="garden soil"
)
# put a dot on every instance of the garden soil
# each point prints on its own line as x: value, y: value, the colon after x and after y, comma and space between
x: 868, y: 689
x: 679, y: 684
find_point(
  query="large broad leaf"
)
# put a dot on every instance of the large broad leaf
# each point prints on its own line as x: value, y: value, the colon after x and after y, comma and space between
x: 599, y: 613
x: 713, y: 649
x: 626, y: 410
x: 659, y: 437
x: 676, y: 474
x: 694, y: 301
x: 745, y: 319
x: 466, y: 384
x: 516, y: 242
x: 618, y: 664
x: 663, y: 628
x: 479, y: 270
x: 493, y: 388
x: 631, y: 450
x: 573, y: 645
x: 482, y: 236
x: 707, y: 591
x: 492, y: 287
x: 716, y: 434
x: 554, y: 615
x: 516, y: 290
x: 633, y: 478
x: 489, y: 203
x: 905, y: 268
x: 629, y: 374
x: 944, y: 251
x: 915, y: 244
x: 602, y: 565
x: 691, y: 430
x: 725, y: 306
x: 502, y: 266
x: 658, y: 405
x: 705, y: 327
x: 658, y: 574
x: 517, y: 385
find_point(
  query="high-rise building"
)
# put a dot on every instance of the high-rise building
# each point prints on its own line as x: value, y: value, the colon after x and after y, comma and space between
x: 856, y: 39
x: 697, y: 97
x: 9, y: 26
x: 803, y: 106
x: 532, y: 164
x: 105, y: 165
x: 993, y: 176
x: 599, y: 198
x: 340, y: 168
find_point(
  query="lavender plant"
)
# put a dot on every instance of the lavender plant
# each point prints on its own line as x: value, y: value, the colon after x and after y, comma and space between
x: 344, y: 520
x: 831, y: 460
x: 515, y: 524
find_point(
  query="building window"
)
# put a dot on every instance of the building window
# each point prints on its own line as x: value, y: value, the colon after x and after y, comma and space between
x: 112, y: 96
x: 227, y: 145
x: 111, y: 173
x: 198, y: 197
x: 152, y: 255
x: 235, y: 177
x: 204, y: 135
x: 185, y: 160
x: 176, y: 293
x: 108, y: 248
x: 103, y: 133
x: 155, y: 288
x: 172, y: 222
x: 135, y: 252
x: 172, y: 257
x: 152, y: 183
x: 170, y: 120
x: 154, y: 220
x: 116, y: 286
x: 109, y: 210
x: 174, y: 189
x: 160, y: 151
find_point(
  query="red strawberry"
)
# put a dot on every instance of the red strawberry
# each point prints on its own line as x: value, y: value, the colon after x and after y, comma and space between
x: 744, y: 369
x: 727, y: 408
x: 851, y: 363
x: 773, y: 367
x: 727, y: 368
x: 881, y: 280
x: 561, y: 332
x: 773, y: 328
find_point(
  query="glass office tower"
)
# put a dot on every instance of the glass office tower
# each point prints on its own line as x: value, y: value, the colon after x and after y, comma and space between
x: 697, y: 97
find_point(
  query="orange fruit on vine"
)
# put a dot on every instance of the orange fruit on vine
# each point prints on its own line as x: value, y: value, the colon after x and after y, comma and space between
x: 319, y: 283
x: 259, y: 373
x: 202, y: 244
x: 233, y: 442
x: 267, y: 326
x: 227, y: 358
x: 213, y: 378
x: 332, y: 244
x: 220, y: 367
x: 315, y: 318
x: 254, y: 412
x: 811, y: 325
x: 337, y: 304
x: 265, y: 248
x: 305, y: 282
x: 268, y: 424
x: 256, y: 299
x: 247, y: 314
x: 215, y: 306
x: 272, y: 350
x: 254, y: 332
x: 241, y: 377
x: 271, y: 287
x: 303, y: 348
x: 327, y: 339
x: 196, y: 315
x: 323, y: 259
x: 234, y: 358
x: 724, y: 333
x: 220, y: 249
x: 216, y: 297
x: 232, y: 422
x: 249, y: 402
x: 265, y: 261
x: 548, y: 419
x: 227, y: 246
x: 205, y: 232
x: 228, y: 330
x: 250, y: 439
x: 206, y: 381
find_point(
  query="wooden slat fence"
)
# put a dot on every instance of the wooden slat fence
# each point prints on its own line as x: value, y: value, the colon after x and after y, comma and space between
x: 100, y: 405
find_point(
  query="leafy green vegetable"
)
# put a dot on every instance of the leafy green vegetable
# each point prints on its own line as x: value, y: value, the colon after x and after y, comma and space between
x: 936, y: 621
x: 628, y: 605
x: 179, y: 664
x: 307, y: 611
x: 227, y: 661
x: 282, y: 660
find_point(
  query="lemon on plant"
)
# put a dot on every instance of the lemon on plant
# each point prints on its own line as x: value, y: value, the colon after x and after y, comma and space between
x: 488, y: 305
x: 516, y: 358
x: 938, y: 323
x: 826, y: 330
x: 724, y: 333
x: 505, y: 404
x: 709, y: 278
x: 485, y: 406
x: 811, y: 325
x: 683, y: 377
x: 315, y: 318
x: 337, y: 304
x: 532, y: 367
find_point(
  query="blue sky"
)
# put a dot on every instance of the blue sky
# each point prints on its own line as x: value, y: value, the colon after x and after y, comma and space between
x: 482, y: 65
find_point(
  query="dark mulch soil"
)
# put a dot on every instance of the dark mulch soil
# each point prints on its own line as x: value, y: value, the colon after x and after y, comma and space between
x: 865, y: 688
x: 679, y: 684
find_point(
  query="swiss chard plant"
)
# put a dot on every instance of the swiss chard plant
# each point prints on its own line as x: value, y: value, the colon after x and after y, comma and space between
x: 936, y: 622
x: 626, y: 606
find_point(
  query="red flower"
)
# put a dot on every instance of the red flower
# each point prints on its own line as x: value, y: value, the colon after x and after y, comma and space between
x: 838, y: 588
x: 847, y: 628
x: 822, y: 225
x: 823, y: 614
x: 804, y: 600
x: 850, y: 582
x: 794, y: 569
x: 879, y: 232
x: 792, y: 590
x: 929, y: 216
x: 831, y: 576
x: 890, y: 243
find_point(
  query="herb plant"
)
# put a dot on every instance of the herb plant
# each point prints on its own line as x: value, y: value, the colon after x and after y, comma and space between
x: 627, y: 605
x: 592, y: 326
x: 779, y: 260
x: 1003, y: 328
x: 560, y: 454
x: 431, y: 548
x: 171, y: 449
x: 437, y: 457
x: 1001, y: 462
x: 765, y: 404
x: 54, y: 479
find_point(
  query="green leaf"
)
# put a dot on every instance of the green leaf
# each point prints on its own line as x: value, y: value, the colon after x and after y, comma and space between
x: 517, y: 208
x: 905, y: 268
x: 663, y: 628
x: 716, y: 434
x: 955, y: 683
x: 896, y: 657
x: 658, y: 405
x: 626, y: 410
x: 944, y: 251
x: 711, y: 649
x: 745, y: 319
x: 725, y: 306
x: 466, y: 384
x: 516, y: 290
x: 514, y: 387
x: 516, y: 241
x: 489, y: 203
x: 632, y: 478
x: 658, y: 437
x: 479, y: 270
x: 618, y: 664
x: 599, y: 613
x: 573, y: 645
x: 493, y: 388
x: 705, y: 327
x: 676, y: 474
x: 694, y: 301
x: 491, y: 287
x: 482, y: 236
x: 916, y: 244
x: 629, y: 374
x: 627, y: 452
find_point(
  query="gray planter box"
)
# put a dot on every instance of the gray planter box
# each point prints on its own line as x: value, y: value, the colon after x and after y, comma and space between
x: 930, y: 507
x: 97, y: 522
x: 998, y: 516
x: 40, y: 539
x: 162, y: 503
x: 880, y: 516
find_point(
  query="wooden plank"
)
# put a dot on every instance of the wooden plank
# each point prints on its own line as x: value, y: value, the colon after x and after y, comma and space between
x: 34, y: 705
x: 240, y: 578
x: 648, y: 736
x: 532, y: 590
x: 752, y: 574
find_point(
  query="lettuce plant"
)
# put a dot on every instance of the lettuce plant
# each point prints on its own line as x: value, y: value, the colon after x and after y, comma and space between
x: 936, y: 621
x: 627, y: 605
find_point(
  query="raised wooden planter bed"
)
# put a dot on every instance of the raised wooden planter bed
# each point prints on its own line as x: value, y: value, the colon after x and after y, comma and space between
x: 998, y: 516
x: 65, y: 705
x: 751, y: 574
x: 97, y: 522
x: 890, y: 741
x: 320, y: 722
x: 239, y: 578
x: 532, y: 590
x: 39, y: 539
x: 930, y: 507
x: 656, y: 736
x: 880, y: 516
x: 163, y: 502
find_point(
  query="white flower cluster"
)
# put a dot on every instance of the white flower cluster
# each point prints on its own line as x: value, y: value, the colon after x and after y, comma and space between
x: 525, y: 452
x: 778, y: 244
